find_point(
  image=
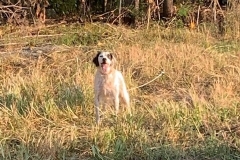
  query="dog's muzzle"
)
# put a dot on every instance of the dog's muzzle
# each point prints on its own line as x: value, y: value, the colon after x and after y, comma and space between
x: 104, y: 65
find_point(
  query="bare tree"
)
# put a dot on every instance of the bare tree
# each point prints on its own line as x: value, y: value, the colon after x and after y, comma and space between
x: 21, y: 11
x: 40, y: 9
x: 105, y: 5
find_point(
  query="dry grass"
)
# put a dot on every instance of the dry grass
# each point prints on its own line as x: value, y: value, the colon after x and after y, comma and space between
x: 192, y: 112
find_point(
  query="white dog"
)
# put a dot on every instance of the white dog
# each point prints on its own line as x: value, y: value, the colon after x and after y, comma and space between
x: 109, y: 85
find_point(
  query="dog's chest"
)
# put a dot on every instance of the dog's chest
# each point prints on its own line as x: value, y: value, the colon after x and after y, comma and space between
x: 108, y: 87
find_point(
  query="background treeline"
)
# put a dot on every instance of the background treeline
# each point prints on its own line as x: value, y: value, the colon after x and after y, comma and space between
x: 130, y: 12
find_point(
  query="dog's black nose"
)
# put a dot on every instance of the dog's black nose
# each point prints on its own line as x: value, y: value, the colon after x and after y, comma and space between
x: 104, y: 59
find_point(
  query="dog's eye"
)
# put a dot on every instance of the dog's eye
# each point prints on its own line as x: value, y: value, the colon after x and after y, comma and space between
x: 101, y: 56
x: 109, y: 56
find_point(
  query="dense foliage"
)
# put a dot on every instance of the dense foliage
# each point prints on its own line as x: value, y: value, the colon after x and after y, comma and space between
x: 113, y: 11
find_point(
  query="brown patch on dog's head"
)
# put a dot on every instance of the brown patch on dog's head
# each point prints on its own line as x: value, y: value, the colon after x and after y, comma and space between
x: 110, y: 56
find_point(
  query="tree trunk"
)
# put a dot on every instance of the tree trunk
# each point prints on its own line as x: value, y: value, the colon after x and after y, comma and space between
x: 167, y: 8
x: 120, y: 11
x: 137, y: 5
x: 104, y: 5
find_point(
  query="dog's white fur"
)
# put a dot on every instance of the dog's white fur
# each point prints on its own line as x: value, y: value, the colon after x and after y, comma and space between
x: 109, y: 84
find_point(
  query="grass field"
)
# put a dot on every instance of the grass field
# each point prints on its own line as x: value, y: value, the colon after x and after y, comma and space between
x: 192, y: 112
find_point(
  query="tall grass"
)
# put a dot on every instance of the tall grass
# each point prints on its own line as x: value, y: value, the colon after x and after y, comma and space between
x: 192, y: 112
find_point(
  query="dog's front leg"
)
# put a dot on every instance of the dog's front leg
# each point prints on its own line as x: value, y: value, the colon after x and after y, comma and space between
x: 116, y: 103
x: 97, y: 105
x: 126, y: 99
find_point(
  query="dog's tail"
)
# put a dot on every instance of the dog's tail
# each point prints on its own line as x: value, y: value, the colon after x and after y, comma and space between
x: 158, y: 76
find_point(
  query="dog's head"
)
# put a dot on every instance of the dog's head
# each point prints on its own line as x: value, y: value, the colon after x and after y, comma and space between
x: 105, y: 61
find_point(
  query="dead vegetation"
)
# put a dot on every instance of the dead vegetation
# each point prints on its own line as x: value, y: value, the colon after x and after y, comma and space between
x: 47, y: 107
x: 191, y: 112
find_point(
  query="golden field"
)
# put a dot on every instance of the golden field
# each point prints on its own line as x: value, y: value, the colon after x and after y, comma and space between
x: 191, y: 112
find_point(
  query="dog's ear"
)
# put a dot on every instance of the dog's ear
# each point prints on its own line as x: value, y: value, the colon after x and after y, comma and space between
x: 95, y: 59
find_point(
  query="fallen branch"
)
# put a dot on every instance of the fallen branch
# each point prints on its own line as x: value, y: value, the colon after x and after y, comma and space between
x: 101, y: 15
x: 13, y: 6
x: 12, y: 44
x: 34, y: 36
x: 120, y: 15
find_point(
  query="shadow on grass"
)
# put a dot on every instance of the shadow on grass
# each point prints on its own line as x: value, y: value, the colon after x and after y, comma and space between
x: 69, y: 95
x: 65, y: 96
x: 209, y: 149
